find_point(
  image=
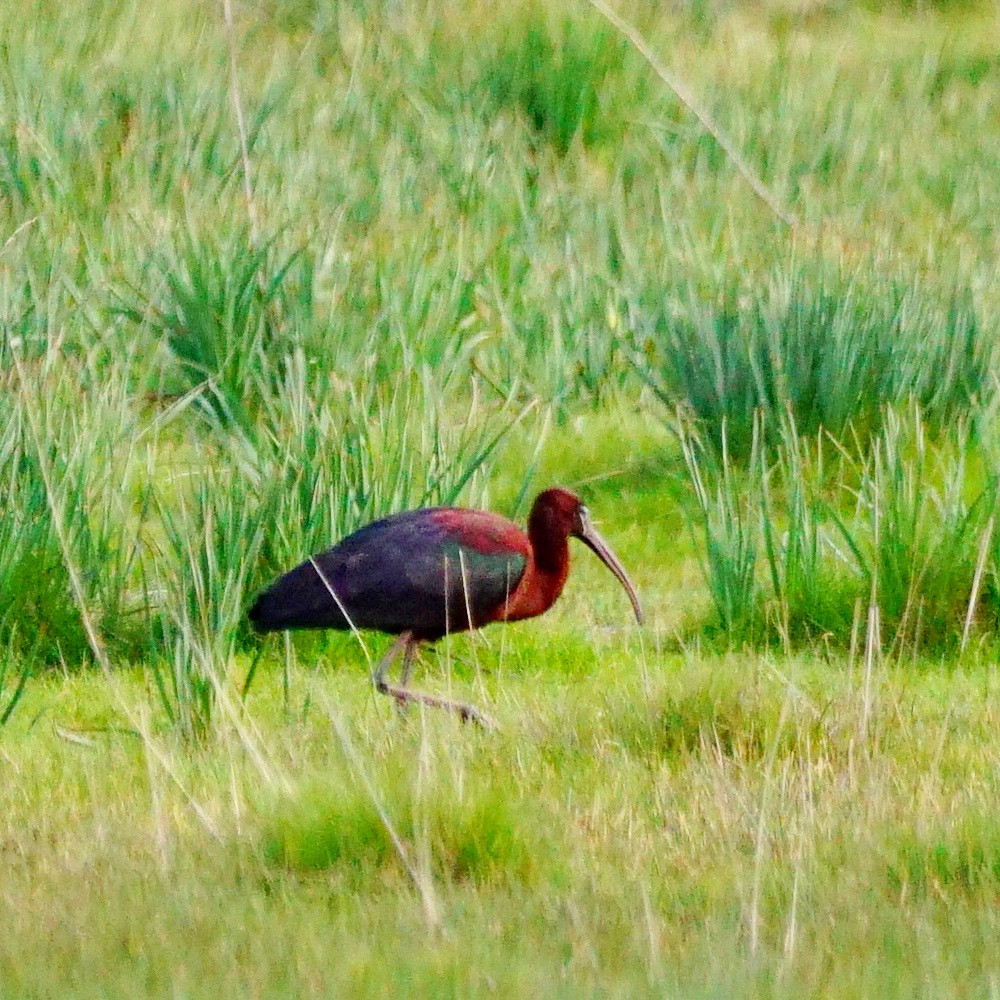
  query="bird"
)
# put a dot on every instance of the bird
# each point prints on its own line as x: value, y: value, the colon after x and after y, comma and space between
x: 425, y: 573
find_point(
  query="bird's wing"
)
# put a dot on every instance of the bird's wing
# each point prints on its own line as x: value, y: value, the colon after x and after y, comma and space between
x: 431, y: 571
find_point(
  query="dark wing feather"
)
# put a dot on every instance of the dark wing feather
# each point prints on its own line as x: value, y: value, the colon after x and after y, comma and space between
x: 421, y: 571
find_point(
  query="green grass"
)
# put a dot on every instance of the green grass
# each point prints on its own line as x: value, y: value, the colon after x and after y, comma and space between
x: 798, y: 546
x: 615, y: 831
x: 832, y: 351
x: 484, y: 252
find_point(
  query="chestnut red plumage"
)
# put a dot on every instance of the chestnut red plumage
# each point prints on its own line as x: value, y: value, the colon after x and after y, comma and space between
x: 424, y: 573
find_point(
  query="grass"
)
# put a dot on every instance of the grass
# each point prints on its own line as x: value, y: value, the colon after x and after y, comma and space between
x: 615, y: 832
x: 565, y: 70
x: 796, y: 545
x: 833, y: 351
x: 483, y: 253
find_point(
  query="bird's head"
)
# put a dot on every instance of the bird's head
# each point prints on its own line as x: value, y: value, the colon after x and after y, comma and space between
x: 558, y: 513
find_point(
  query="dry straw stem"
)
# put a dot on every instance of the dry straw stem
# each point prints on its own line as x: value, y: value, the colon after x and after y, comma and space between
x: 977, y: 581
x: 687, y: 98
x: 17, y: 232
x: 420, y: 877
x: 873, y: 649
x: 760, y: 839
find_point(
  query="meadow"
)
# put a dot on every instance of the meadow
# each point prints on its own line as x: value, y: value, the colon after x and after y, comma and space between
x: 270, y: 270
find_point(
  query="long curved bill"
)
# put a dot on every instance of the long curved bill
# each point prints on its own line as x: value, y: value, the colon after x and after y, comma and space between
x: 591, y: 537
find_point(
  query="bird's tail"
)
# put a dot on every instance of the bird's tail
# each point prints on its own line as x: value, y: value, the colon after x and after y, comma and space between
x: 264, y: 616
x: 299, y: 599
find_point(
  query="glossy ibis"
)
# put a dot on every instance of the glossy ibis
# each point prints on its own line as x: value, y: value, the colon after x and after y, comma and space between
x: 424, y: 573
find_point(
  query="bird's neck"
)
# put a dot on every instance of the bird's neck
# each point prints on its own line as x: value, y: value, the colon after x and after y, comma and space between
x: 540, y: 586
x: 545, y: 573
x: 549, y: 542
x: 551, y: 554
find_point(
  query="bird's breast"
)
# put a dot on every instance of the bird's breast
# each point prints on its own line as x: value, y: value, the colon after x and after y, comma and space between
x: 536, y: 592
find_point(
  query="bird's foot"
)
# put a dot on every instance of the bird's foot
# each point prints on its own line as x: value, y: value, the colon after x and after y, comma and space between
x: 467, y: 713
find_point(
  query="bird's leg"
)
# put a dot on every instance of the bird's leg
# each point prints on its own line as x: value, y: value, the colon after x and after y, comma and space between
x: 405, y: 695
x: 404, y: 674
x: 403, y: 641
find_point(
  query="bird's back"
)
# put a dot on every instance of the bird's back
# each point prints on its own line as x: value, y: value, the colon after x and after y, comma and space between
x: 429, y: 571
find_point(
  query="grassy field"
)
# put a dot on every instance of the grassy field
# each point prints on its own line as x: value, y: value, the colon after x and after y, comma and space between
x: 265, y: 279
